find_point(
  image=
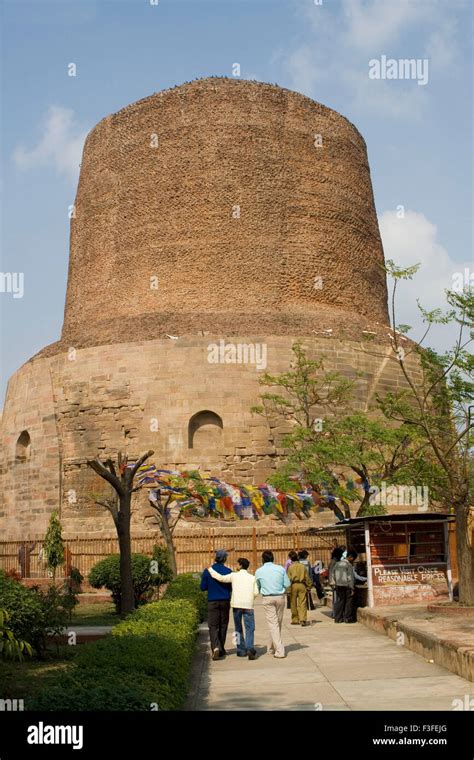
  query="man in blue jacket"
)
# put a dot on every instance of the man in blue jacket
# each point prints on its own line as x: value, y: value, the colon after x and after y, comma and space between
x: 218, y: 604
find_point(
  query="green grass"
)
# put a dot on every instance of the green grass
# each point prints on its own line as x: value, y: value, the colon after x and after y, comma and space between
x: 102, y: 613
x: 21, y: 680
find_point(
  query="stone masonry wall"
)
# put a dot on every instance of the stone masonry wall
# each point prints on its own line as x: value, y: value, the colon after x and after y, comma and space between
x: 136, y: 396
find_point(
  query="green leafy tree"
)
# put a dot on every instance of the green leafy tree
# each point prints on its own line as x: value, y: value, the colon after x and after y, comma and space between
x: 363, y: 448
x: 294, y: 405
x: 438, y: 406
x: 329, y: 446
x: 11, y: 647
x: 303, y: 392
x: 54, y: 544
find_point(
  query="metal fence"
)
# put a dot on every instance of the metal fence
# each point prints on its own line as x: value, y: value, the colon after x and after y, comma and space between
x: 194, y: 550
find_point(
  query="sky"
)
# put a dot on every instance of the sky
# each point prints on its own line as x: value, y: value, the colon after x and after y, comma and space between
x: 418, y: 130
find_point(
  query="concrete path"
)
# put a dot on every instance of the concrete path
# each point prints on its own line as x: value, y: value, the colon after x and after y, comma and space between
x: 327, y: 667
x: 84, y: 633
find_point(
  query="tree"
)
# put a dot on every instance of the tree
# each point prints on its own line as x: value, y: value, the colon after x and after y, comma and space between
x: 54, y: 545
x: 120, y: 507
x: 320, y: 449
x: 11, y: 647
x: 439, y: 407
x: 170, y: 508
x: 302, y: 394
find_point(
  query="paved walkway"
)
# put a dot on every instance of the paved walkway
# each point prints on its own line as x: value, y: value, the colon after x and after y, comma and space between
x: 327, y: 667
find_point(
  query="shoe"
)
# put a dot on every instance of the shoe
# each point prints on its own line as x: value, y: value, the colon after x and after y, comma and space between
x: 215, y: 654
x: 304, y: 623
x: 294, y: 623
x: 270, y: 651
x: 252, y: 654
x: 241, y: 654
x: 279, y: 656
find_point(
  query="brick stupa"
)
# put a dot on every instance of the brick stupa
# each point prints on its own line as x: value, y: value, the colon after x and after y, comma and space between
x: 220, y: 210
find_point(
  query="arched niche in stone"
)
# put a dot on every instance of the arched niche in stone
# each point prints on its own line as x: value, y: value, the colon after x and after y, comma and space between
x: 23, y: 447
x: 205, y: 431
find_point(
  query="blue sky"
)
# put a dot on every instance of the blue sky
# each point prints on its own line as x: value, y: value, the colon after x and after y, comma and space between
x: 419, y: 137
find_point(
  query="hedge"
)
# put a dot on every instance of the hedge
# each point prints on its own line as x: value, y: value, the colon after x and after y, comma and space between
x: 187, y: 586
x: 146, y: 661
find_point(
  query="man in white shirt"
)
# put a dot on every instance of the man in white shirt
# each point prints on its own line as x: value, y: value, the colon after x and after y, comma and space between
x: 244, y: 591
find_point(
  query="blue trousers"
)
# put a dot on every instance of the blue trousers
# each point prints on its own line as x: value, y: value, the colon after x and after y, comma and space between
x: 244, y: 642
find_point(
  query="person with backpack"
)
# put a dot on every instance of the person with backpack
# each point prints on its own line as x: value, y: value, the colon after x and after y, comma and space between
x: 336, y: 555
x: 343, y: 576
x: 316, y: 571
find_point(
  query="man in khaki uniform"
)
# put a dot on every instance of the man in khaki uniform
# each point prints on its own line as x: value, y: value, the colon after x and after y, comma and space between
x: 300, y: 585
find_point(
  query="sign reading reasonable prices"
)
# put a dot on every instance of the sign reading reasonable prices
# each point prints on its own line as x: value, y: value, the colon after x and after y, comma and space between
x: 409, y: 575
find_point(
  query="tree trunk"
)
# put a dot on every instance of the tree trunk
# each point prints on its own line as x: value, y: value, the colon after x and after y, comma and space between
x: 363, y: 504
x: 127, y: 600
x: 347, y: 509
x: 166, y: 532
x: 465, y: 553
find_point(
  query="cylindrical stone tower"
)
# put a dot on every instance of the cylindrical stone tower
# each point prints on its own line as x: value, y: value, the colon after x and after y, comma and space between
x: 220, y: 210
x: 222, y: 205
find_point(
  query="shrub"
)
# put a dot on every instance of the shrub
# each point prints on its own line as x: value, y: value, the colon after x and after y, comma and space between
x: 75, y: 579
x: 81, y: 690
x: 179, y: 617
x: 107, y: 573
x: 11, y: 648
x: 57, y: 607
x: 14, y: 574
x: 34, y: 613
x: 187, y: 586
x: 145, y: 661
x: 27, y: 617
x: 162, y: 568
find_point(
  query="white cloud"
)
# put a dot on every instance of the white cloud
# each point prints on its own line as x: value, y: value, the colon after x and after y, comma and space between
x: 370, y: 24
x: 60, y: 145
x: 303, y: 69
x: 387, y: 97
x: 441, y: 46
x: 338, y: 42
x: 413, y: 240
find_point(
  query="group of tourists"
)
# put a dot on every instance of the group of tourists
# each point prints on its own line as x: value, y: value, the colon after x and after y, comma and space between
x: 279, y: 587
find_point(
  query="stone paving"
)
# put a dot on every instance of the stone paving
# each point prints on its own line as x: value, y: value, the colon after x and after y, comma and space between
x: 327, y: 667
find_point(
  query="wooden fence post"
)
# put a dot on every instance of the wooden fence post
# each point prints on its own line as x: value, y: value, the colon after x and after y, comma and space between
x: 254, y: 547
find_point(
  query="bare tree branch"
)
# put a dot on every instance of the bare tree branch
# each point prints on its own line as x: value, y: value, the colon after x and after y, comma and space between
x: 104, y: 473
x: 130, y: 474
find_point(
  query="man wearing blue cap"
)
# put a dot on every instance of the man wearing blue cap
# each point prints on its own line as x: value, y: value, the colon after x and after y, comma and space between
x: 218, y: 604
